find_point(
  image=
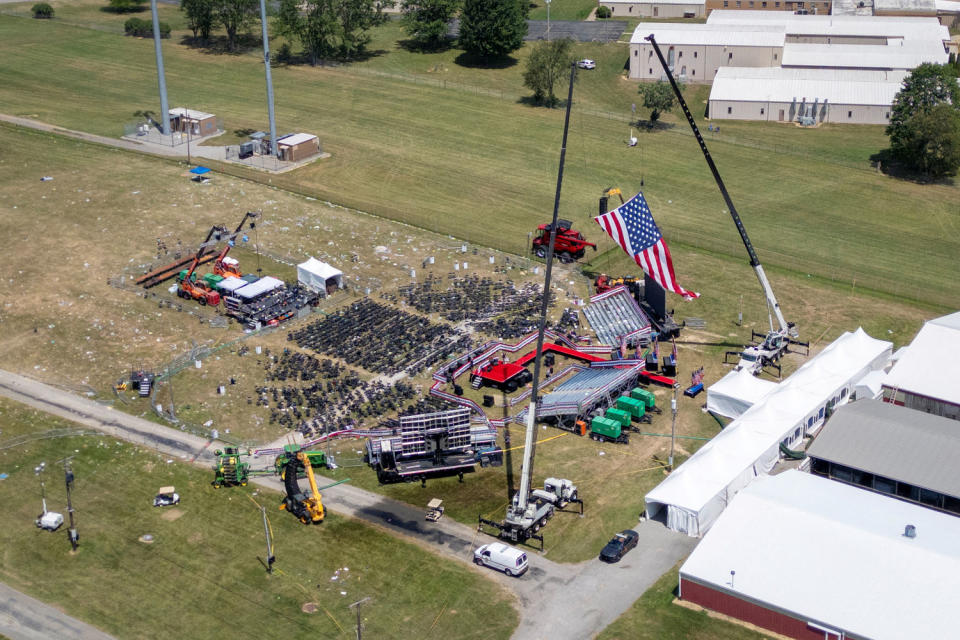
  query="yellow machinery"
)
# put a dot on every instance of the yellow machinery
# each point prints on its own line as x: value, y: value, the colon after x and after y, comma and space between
x: 308, y: 508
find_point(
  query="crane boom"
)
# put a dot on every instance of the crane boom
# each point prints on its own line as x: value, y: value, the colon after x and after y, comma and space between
x: 784, y: 327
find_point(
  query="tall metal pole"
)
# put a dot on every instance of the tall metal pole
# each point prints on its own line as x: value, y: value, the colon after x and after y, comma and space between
x: 161, y: 79
x: 68, y: 480
x: 529, y: 450
x: 673, y: 423
x: 266, y: 66
x: 359, y: 626
x: 548, y: 19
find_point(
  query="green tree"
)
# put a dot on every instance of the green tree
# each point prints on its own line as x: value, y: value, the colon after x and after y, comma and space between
x: 492, y: 28
x: 42, y: 11
x: 603, y: 13
x: 235, y: 16
x: 426, y: 21
x: 658, y: 97
x: 926, y: 87
x: 316, y: 27
x: 200, y: 17
x: 930, y: 141
x: 125, y: 6
x: 548, y: 63
x: 356, y: 18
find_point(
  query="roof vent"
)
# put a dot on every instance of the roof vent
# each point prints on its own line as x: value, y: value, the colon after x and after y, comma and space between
x: 910, y: 531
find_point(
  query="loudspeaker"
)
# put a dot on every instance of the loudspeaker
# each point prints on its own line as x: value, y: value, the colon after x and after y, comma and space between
x: 457, y: 390
x: 488, y: 401
x: 603, y: 205
x: 549, y: 359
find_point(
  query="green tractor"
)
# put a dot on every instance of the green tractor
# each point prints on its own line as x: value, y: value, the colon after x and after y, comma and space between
x: 230, y: 471
x: 318, y: 459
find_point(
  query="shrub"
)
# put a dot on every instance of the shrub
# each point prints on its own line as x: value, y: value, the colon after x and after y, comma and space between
x: 42, y: 11
x: 603, y: 12
x: 144, y: 28
x: 125, y: 6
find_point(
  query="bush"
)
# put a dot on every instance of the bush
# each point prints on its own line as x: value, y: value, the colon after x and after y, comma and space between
x: 603, y: 12
x: 125, y: 6
x: 42, y: 11
x: 144, y: 28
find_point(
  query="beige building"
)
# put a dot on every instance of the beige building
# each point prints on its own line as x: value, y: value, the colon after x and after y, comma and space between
x: 298, y: 146
x: 654, y: 8
x: 694, y: 52
x: 804, y: 95
x: 196, y: 123
x: 817, y: 7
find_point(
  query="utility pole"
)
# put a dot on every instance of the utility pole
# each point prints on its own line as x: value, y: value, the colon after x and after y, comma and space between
x: 68, y: 480
x: 357, y: 605
x: 161, y: 78
x: 266, y: 66
x: 673, y: 423
x: 548, y: 19
x: 43, y: 490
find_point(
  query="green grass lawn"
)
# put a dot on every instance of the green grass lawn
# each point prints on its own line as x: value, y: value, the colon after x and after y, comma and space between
x: 406, y: 148
x: 201, y: 575
x: 654, y: 617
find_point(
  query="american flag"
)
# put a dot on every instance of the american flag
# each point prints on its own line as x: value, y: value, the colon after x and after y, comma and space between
x: 696, y: 377
x: 632, y: 227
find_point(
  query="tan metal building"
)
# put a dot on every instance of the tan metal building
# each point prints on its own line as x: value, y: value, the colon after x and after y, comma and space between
x: 654, y: 8
x: 298, y: 146
x: 818, y: 7
x: 788, y: 95
x: 194, y: 122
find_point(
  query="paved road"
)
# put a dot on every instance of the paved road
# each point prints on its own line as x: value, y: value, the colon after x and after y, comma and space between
x: 24, y: 618
x: 556, y: 600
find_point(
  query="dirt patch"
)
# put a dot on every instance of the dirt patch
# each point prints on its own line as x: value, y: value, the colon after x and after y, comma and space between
x: 309, y: 607
x: 171, y: 514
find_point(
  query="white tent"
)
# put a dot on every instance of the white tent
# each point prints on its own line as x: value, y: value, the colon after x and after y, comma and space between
x: 871, y: 386
x: 319, y: 276
x: 258, y: 288
x: 698, y: 491
x: 736, y: 392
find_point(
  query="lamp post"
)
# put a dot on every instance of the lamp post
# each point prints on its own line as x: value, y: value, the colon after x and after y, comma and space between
x: 673, y: 423
x: 548, y: 19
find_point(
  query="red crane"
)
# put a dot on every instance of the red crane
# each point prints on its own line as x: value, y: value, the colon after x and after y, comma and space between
x: 200, y: 291
x: 228, y: 267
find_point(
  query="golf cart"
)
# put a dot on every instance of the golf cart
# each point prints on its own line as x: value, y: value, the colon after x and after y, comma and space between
x: 434, y: 510
x: 166, y: 497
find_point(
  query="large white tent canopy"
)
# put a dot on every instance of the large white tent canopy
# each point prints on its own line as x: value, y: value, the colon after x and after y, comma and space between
x: 698, y: 491
x: 315, y: 275
x: 734, y: 393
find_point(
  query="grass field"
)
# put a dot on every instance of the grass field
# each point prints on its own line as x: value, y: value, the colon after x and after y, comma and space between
x: 654, y: 617
x: 406, y: 148
x: 205, y: 551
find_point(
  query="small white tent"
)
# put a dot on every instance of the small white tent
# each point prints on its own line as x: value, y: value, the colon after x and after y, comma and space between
x: 736, y: 392
x: 319, y: 276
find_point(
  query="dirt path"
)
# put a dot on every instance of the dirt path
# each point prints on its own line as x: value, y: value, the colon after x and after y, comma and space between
x: 26, y: 618
x: 556, y: 600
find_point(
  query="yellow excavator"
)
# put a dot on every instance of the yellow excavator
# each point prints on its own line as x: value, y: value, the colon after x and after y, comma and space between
x: 307, y: 507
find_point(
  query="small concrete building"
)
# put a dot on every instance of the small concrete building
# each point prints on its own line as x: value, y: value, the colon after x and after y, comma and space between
x: 654, y: 8
x: 298, y: 146
x: 788, y: 95
x: 891, y: 450
x: 904, y: 7
x: 809, y: 558
x: 196, y: 123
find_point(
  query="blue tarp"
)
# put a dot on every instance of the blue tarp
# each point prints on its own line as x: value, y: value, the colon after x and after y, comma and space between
x: 200, y: 170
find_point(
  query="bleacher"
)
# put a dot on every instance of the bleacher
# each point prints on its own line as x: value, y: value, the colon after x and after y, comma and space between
x: 615, y: 315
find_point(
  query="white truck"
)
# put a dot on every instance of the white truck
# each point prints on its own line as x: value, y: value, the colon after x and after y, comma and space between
x: 557, y: 491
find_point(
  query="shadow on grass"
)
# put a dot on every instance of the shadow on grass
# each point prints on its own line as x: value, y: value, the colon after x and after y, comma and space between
x: 652, y: 126
x: 531, y: 101
x: 415, y: 46
x: 126, y: 11
x: 219, y: 45
x: 886, y: 162
x: 472, y: 61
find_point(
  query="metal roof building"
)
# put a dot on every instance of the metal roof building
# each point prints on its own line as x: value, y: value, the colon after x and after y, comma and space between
x: 744, y: 35
x: 785, y: 95
x: 926, y: 375
x: 892, y: 450
x: 809, y: 558
x: 905, y: 54
x: 907, y: 27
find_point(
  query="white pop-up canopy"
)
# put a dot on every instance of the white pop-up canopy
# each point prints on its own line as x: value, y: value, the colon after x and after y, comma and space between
x: 258, y: 288
x: 317, y: 275
x: 734, y: 393
x: 697, y: 492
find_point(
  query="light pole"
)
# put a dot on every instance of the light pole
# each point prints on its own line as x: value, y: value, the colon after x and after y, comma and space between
x: 548, y: 19
x: 68, y: 480
x: 673, y: 423
x: 357, y: 605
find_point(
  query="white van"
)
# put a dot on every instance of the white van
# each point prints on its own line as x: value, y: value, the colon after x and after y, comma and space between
x: 512, y: 562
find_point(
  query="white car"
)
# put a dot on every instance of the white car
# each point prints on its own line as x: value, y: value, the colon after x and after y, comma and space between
x: 587, y: 63
x: 512, y: 562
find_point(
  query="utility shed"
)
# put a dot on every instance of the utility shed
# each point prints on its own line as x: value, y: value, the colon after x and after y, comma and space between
x: 298, y: 146
x: 654, y: 8
x: 891, y: 450
x: 809, y: 558
x: 319, y: 276
x: 196, y: 123
x: 787, y: 95
x: 927, y: 375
